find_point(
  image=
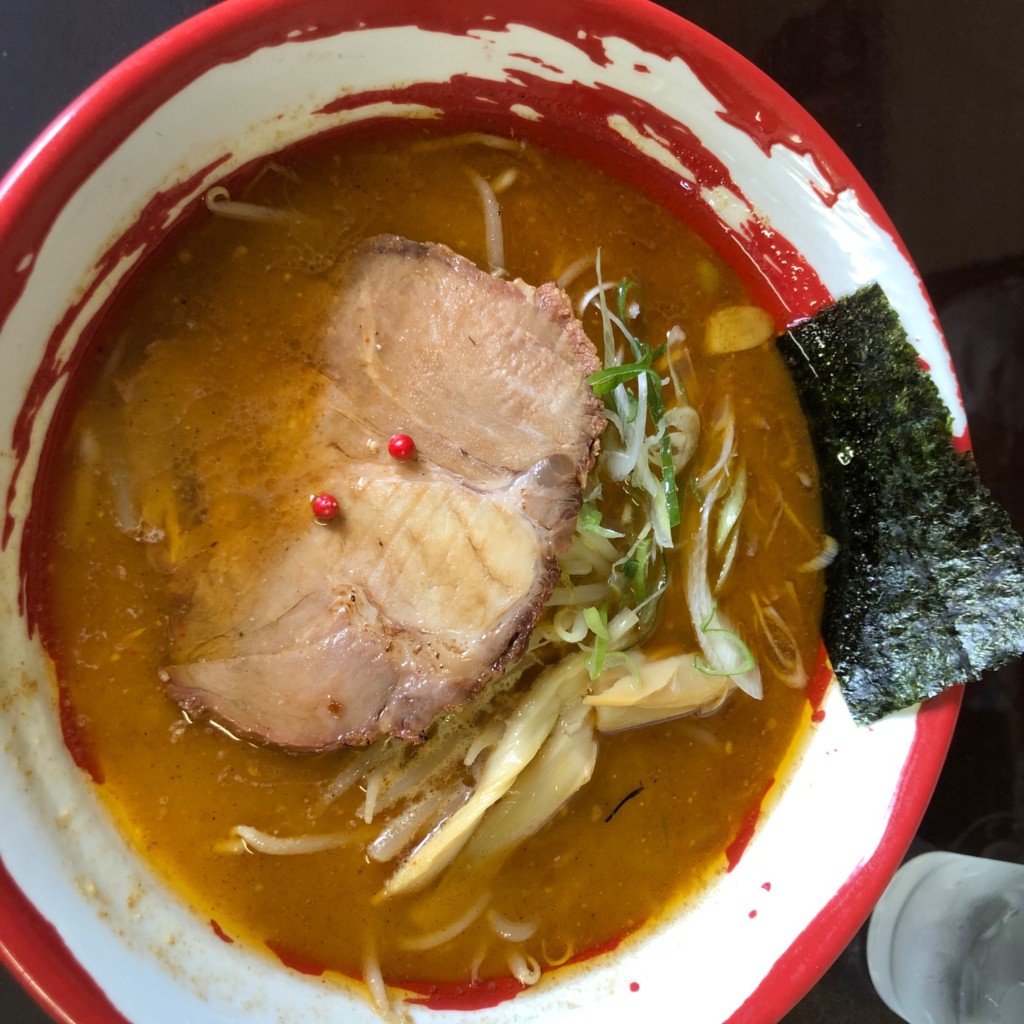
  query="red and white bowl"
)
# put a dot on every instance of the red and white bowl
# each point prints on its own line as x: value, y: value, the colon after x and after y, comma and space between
x: 635, y: 90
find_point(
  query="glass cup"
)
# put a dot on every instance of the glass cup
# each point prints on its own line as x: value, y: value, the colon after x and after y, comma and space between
x: 946, y: 941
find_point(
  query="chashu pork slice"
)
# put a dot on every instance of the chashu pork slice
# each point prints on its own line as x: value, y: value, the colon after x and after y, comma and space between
x: 432, y: 578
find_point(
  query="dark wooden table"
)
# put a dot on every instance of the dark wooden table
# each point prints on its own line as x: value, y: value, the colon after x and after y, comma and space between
x: 925, y: 96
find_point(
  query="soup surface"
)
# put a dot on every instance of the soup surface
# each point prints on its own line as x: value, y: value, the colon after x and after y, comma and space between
x: 206, y: 371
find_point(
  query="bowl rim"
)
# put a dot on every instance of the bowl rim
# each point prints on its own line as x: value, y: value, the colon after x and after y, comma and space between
x: 31, y: 196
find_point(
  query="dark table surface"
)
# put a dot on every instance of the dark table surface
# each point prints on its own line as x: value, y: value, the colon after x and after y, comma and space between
x: 925, y: 96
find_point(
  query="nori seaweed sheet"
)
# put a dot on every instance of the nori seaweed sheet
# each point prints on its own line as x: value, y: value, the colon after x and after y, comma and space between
x: 927, y: 589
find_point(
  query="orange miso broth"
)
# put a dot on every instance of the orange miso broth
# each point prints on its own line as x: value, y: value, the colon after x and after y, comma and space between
x: 202, y: 389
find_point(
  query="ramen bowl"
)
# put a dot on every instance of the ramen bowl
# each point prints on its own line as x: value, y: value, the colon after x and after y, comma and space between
x: 638, y: 93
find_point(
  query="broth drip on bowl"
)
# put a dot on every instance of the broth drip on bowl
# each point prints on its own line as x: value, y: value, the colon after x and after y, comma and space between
x: 201, y: 401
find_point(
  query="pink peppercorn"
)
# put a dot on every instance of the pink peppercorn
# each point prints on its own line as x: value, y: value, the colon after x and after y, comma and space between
x: 401, y: 447
x: 325, y: 506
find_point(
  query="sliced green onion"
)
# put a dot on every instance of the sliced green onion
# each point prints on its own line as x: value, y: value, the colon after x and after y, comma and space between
x: 632, y: 403
x: 644, y: 480
x: 639, y: 347
x: 606, y: 324
x: 625, y: 287
x: 657, y: 398
x: 643, y: 551
x: 597, y: 621
x: 638, y: 453
x: 569, y: 625
x: 595, y: 664
x: 603, y: 381
x: 704, y: 626
x: 732, y: 506
x: 668, y: 480
x: 589, y: 521
x: 746, y: 657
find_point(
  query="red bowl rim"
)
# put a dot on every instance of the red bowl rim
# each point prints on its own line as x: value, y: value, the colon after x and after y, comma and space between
x: 32, y: 195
